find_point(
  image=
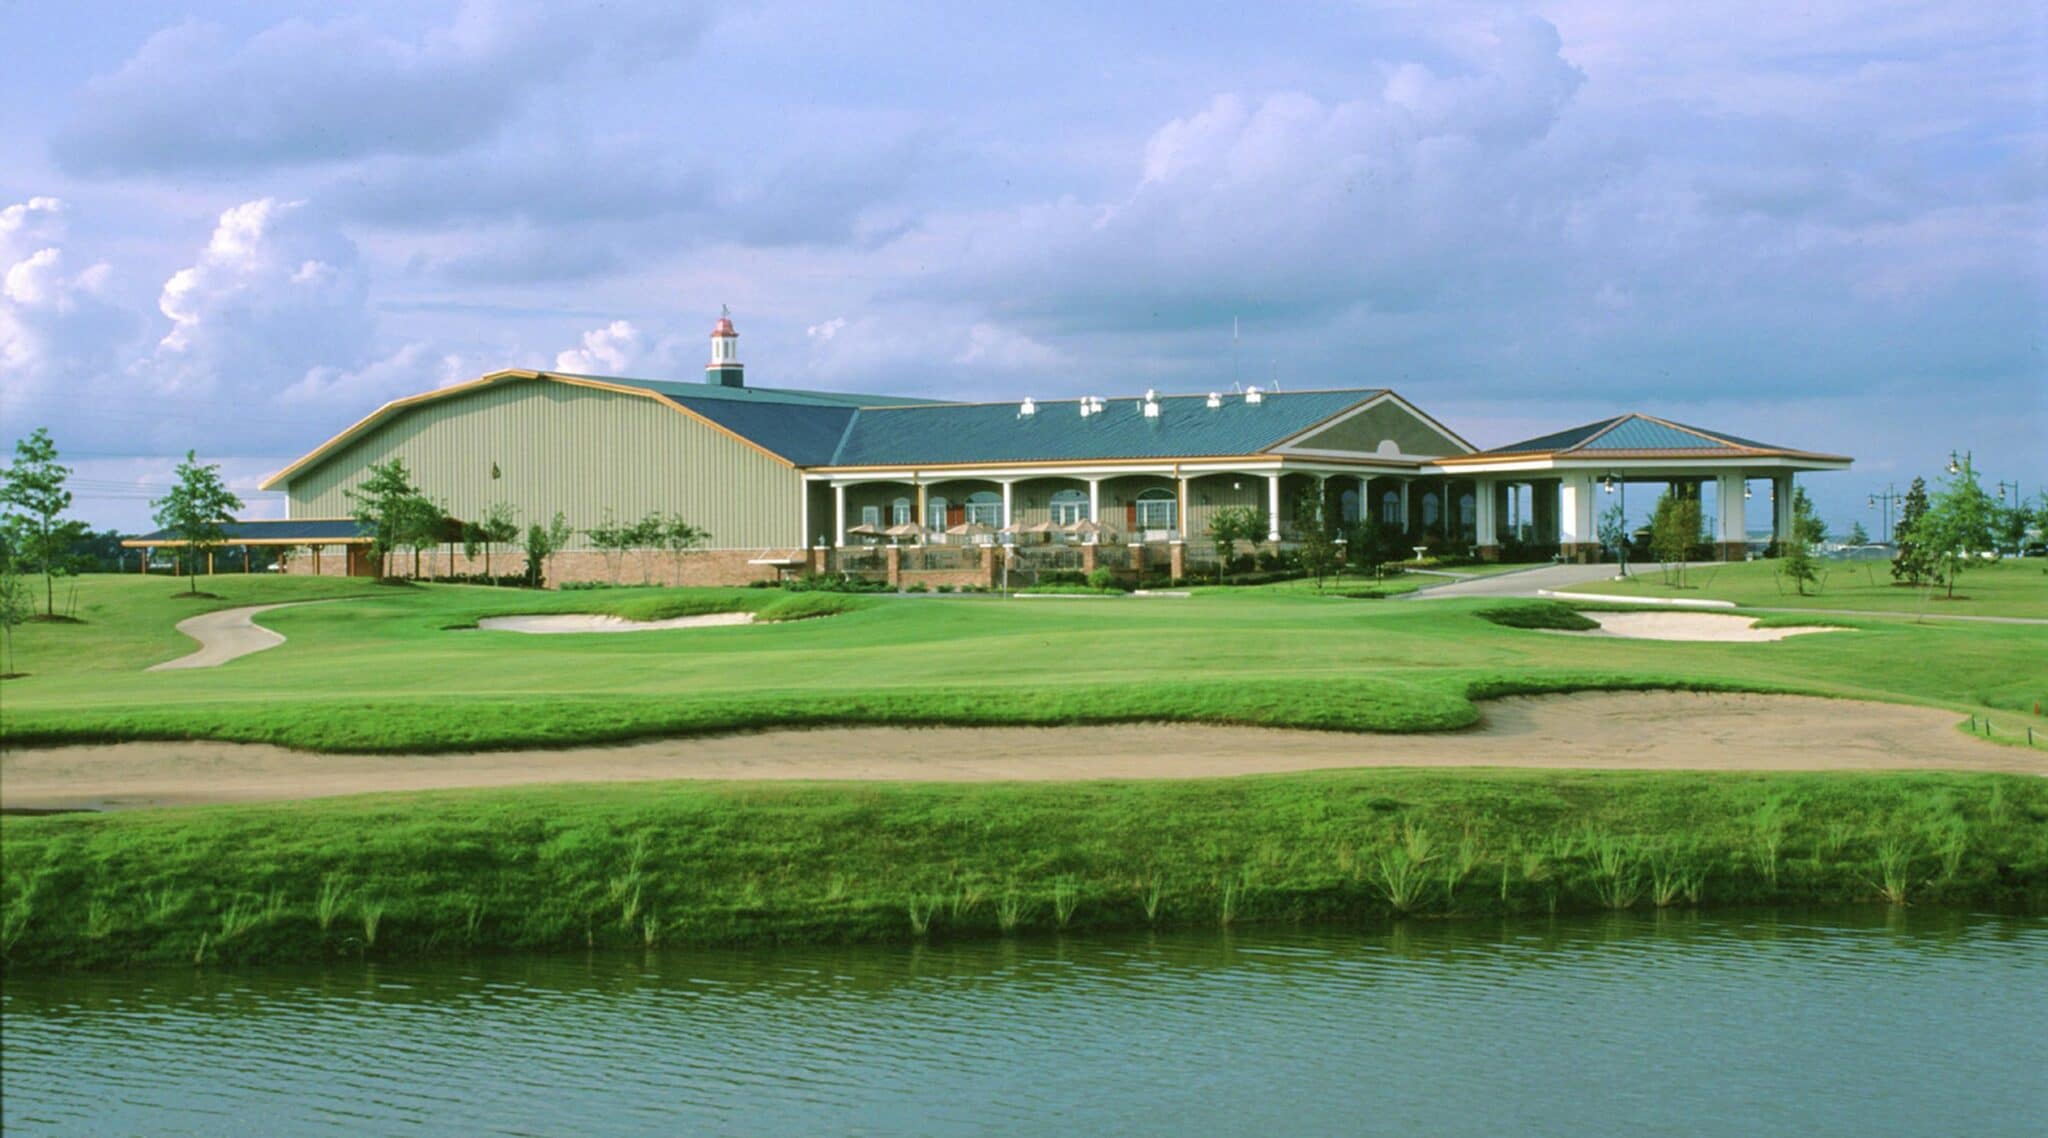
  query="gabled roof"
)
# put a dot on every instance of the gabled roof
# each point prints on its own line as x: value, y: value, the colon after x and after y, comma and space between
x: 939, y: 434
x: 1642, y: 436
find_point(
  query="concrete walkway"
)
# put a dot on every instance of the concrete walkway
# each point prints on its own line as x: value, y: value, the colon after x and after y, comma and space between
x: 1518, y: 583
x: 225, y: 635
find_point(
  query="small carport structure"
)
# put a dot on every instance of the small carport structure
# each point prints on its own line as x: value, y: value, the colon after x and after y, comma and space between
x: 313, y: 533
x: 1567, y: 470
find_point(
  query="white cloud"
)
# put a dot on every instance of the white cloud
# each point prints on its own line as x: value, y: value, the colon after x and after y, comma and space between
x: 621, y: 348
x: 827, y: 330
x: 58, y: 330
x: 993, y: 346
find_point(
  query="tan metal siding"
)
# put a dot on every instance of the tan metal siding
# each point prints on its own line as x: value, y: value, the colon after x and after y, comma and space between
x: 575, y: 449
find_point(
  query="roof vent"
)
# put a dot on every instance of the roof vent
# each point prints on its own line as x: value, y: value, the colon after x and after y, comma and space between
x: 1027, y: 407
x: 1151, y: 406
x: 1087, y: 406
x: 1254, y: 395
x: 1215, y: 400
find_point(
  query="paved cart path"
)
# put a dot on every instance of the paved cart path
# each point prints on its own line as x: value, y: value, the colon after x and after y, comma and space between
x: 226, y: 634
x: 1594, y: 731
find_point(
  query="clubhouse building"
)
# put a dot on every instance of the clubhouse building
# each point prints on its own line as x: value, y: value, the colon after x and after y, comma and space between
x: 921, y: 490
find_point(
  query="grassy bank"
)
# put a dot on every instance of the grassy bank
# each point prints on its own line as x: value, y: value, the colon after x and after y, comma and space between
x: 679, y: 863
x: 2017, y: 587
x: 384, y: 672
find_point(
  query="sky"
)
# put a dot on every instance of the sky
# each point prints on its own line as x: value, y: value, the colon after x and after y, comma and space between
x: 238, y: 228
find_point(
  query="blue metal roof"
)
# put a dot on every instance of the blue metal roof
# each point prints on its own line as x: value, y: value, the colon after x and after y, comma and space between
x: 1635, y: 432
x: 1186, y: 427
x: 804, y: 434
x: 281, y: 529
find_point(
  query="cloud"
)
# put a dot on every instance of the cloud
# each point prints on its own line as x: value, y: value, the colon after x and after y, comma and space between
x: 194, y: 98
x: 59, y: 332
x: 621, y: 348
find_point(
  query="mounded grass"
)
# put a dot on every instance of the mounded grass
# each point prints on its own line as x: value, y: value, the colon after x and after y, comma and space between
x: 1537, y: 614
x: 379, y: 671
x: 2013, y: 587
x: 693, y: 863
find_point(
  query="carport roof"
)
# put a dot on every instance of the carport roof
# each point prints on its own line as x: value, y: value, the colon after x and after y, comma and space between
x: 1636, y: 435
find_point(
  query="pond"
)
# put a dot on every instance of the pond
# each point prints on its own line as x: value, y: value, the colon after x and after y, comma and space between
x: 1853, y: 1022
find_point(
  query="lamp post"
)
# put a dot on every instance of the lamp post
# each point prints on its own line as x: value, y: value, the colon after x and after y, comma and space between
x: 1962, y: 465
x: 1891, y: 495
x: 1608, y: 483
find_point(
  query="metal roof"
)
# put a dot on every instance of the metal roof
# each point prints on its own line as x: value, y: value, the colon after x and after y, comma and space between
x: 1637, y: 433
x: 276, y: 530
x: 1185, y: 427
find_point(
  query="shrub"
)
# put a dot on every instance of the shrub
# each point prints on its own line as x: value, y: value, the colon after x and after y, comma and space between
x: 804, y: 606
x: 945, y: 588
x: 1538, y: 614
x: 1104, y: 578
x: 917, y: 587
x: 671, y: 606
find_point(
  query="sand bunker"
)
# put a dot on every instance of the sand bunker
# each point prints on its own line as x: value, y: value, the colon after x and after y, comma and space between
x: 603, y: 622
x: 1593, y: 731
x: 1702, y: 626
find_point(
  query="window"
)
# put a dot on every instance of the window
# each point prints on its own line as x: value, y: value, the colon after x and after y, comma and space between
x: 1155, y: 510
x: 1467, y: 512
x: 935, y: 513
x: 1069, y: 506
x: 871, y: 516
x: 1390, y: 509
x: 1430, y: 510
x: 899, y: 512
x: 985, y: 507
x: 1347, y: 506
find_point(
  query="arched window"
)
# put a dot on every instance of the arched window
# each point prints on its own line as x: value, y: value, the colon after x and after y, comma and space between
x: 985, y: 507
x: 899, y: 512
x: 1155, y: 509
x: 1430, y: 510
x: 1390, y: 509
x: 1468, y: 511
x: 1069, y: 506
x: 935, y: 513
x: 1347, y: 506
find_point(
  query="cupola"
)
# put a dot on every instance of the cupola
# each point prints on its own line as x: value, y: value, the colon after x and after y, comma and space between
x: 725, y: 368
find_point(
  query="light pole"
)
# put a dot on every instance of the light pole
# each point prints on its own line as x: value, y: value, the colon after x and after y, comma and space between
x: 1609, y: 482
x: 1891, y: 494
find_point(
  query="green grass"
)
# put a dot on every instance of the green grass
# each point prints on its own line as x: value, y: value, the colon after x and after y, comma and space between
x: 2016, y: 587
x: 1537, y: 614
x: 681, y: 863
x: 383, y: 672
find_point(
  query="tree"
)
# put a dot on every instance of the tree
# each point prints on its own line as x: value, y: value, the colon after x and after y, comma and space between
x: 1227, y: 527
x: 679, y: 537
x: 17, y: 603
x: 1674, y: 531
x: 382, y: 506
x: 497, y: 526
x: 33, y: 496
x: 1910, y: 563
x: 1316, y: 539
x: 1796, y: 564
x: 1806, y: 522
x: 2010, y: 524
x: 197, y: 510
x: 421, y: 523
x: 542, y: 542
x: 1613, y: 534
x: 612, y: 540
x: 1858, y: 535
x: 1956, y: 526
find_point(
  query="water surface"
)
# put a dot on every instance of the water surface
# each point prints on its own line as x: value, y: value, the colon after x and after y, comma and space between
x: 1861, y: 1022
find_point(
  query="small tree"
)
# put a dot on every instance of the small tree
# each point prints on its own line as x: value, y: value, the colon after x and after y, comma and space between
x: 1858, y: 535
x: 1674, y: 531
x: 197, y: 510
x: 382, y: 505
x: 542, y: 543
x: 1227, y: 527
x: 1911, y: 563
x: 679, y: 536
x: 1806, y: 522
x: 1956, y: 526
x: 2010, y: 524
x: 1317, y: 541
x: 17, y: 602
x: 612, y: 540
x: 32, y: 491
x: 1613, y: 534
x: 421, y: 524
x: 496, y: 527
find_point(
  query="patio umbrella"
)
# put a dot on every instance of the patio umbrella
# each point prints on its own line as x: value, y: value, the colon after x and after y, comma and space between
x: 905, y: 530
x: 866, y: 530
x: 1084, y: 526
x: 969, y: 529
x: 1041, y: 527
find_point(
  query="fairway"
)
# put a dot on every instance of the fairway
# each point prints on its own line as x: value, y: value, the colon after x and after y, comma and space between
x: 403, y: 668
x: 2013, y: 588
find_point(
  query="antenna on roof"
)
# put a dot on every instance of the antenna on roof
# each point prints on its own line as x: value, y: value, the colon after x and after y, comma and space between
x: 1234, y: 377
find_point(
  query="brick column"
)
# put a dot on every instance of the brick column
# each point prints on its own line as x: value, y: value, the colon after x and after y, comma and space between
x: 895, y: 556
x: 1177, y: 559
x: 1088, y: 558
x: 1137, y: 556
x: 989, y: 567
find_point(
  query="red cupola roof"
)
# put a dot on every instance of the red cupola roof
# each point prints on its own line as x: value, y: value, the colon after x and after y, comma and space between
x: 723, y: 327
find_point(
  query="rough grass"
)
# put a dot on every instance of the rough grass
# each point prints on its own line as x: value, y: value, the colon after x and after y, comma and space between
x: 804, y: 606
x: 569, y: 867
x: 1537, y: 614
x: 2014, y: 587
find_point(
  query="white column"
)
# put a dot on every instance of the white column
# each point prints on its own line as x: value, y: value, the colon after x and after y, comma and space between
x: 1273, y: 507
x: 1781, y: 507
x: 1483, y: 522
x: 1729, y: 525
x: 803, y: 523
x: 1404, y: 505
x: 1575, y: 510
x: 1009, y: 518
x: 1094, y: 506
x: 1367, y: 513
x: 838, y: 514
